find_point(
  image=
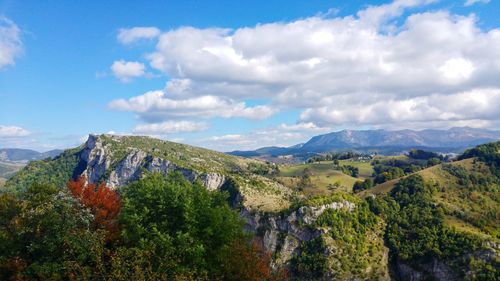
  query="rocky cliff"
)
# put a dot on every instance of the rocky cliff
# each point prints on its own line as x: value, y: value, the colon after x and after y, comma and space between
x: 97, y: 158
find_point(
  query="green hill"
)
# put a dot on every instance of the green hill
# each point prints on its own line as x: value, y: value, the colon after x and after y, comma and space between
x: 467, y: 190
x: 119, y: 160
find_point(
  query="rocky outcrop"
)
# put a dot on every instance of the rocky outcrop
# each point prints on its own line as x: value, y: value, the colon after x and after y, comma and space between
x: 96, y: 159
x: 433, y: 270
x: 212, y: 181
x: 127, y: 170
x: 99, y: 164
x: 282, y: 234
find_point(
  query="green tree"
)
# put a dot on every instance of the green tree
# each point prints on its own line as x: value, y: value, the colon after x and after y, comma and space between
x: 46, y: 235
x: 188, y: 228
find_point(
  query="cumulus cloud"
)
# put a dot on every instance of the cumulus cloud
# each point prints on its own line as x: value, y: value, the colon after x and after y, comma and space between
x: 125, y: 71
x: 472, y: 2
x: 15, y: 136
x: 155, y: 106
x: 131, y: 35
x: 303, y: 126
x: 13, y: 132
x: 11, y: 45
x: 169, y: 127
x: 384, y: 64
x: 477, y: 104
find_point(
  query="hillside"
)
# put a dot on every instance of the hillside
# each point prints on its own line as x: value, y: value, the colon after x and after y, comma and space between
x: 459, y: 194
x: 119, y: 160
x: 8, y: 169
x: 321, y: 177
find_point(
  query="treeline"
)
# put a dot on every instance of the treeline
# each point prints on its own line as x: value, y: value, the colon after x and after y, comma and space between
x: 487, y: 153
x: 338, y: 156
x: 158, y: 228
x: 264, y: 169
x: 393, y: 168
x: 348, y: 170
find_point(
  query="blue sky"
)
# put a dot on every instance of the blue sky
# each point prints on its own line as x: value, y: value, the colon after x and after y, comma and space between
x: 229, y: 75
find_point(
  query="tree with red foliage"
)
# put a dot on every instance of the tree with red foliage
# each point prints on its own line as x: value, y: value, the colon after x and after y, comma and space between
x: 103, y: 201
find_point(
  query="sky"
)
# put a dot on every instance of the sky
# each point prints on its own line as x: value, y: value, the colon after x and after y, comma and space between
x: 230, y: 75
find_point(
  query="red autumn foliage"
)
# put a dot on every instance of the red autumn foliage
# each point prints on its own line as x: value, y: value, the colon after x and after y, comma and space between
x: 251, y: 263
x: 103, y: 201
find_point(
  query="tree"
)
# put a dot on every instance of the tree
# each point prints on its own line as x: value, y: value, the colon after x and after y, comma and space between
x: 362, y: 185
x: 102, y: 200
x: 45, y: 236
x: 185, y: 226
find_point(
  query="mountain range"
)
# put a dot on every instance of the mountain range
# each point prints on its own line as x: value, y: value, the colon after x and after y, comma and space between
x: 14, y: 159
x: 25, y: 155
x: 381, y: 141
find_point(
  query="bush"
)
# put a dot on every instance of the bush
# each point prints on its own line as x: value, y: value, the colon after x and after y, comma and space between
x: 362, y: 185
x: 311, y: 262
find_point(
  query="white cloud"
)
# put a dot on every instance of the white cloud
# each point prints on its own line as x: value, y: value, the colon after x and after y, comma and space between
x: 169, y: 127
x: 11, y: 45
x: 308, y: 126
x: 281, y: 135
x: 229, y: 137
x: 383, y: 65
x: 131, y: 35
x: 457, y: 70
x: 472, y: 2
x: 127, y: 70
x: 13, y: 132
x: 478, y: 104
x: 155, y: 106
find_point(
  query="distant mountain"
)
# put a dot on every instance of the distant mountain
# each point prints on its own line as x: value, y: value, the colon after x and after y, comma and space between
x: 383, y: 141
x: 25, y: 155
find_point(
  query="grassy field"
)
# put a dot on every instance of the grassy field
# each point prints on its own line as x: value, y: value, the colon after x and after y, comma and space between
x: 324, y: 178
x: 433, y: 174
x: 365, y: 168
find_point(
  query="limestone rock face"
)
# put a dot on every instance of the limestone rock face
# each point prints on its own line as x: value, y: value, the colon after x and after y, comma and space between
x: 434, y: 269
x: 127, y: 170
x: 96, y: 158
x: 98, y: 161
x: 212, y: 181
x: 282, y: 234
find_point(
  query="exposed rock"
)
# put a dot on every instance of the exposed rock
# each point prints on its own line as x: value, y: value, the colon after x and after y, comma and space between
x: 433, y: 270
x: 97, y: 161
x: 96, y: 158
x: 310, y: 214
x: 282, y: 234
x: 212, y: 181
x: 128, y: 170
